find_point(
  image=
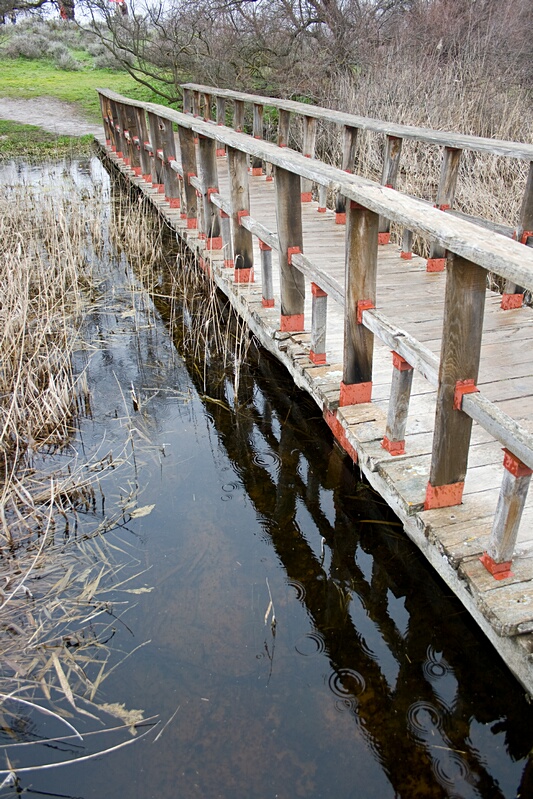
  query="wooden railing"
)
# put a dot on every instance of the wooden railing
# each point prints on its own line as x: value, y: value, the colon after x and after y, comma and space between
x: 177, y: 153
x: 209, y: 103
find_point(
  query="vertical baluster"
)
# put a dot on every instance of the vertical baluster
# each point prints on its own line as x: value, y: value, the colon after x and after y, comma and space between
x: 257, y: 164
x: 116, y: 145
x: 266, y: 275
x: 238, y: 115
x: 188, y: 163
x: 511, y: 501
x: 309, y: 141
x: 134, y: 139
x: 361, y: 274
x: 459, y: 364
x: 319, y: 318
x: 449, y: 172
x: 187, y: 101
x: 208, y: 171
x: 290, y: 235
x: 221, y: 120
x: 243, y: 255
x: 207, y: 106
x: 284, y: 122
x: 389, y: 177
x: 513, y: 295
x: 144, y: 143
x: 196, y: 103
x: 171, y: 179
x: 158, y: 178
x: 407, y: 245
x: 400, y: 394
x: 349, y: 145
x: 227, y: 244
x: 322, y: 199
x: 105, y: 120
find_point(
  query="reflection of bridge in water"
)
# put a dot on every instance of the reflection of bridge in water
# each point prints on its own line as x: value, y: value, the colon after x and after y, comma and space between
x: 405, y: 661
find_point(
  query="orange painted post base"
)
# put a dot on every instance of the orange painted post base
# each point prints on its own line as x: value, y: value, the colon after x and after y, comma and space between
x: 293, y: 323
x: 383, y: 238
x: 214, y: 243
x: 183, y: 215
x: 244, y: 275
x: 229, y: 263
x: 393, y: 447
x: 137, y: 171
x: 498, y: 570
x: 147, y: 178
x: 511, y: 301
x: 340, y: 434
x: 340, y: 219
x: 406, y: 255
x: 321, y: 210
x: 118, y: 153
x: 355, y: 393
x: 307, y: 196
x: 174, y: 202
x: 436, y: 264
x: 443, y: 496
x: 221, y: 152
x: 127, y: 161
x: 257, y: 171
x: 192, y: 223
x: 318, y: 358
x: 267, y: 303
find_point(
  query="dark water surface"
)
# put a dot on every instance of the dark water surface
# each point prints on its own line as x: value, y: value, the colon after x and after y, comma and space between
x: 373, y: 681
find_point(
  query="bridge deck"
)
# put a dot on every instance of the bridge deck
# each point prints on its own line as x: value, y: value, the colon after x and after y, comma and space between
x: 451, y: 538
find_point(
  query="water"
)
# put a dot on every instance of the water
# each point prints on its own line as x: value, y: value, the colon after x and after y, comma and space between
x: 372, y: 682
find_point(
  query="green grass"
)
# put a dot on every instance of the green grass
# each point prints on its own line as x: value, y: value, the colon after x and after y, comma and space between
x: 27, y: 78
x: 33, y: 142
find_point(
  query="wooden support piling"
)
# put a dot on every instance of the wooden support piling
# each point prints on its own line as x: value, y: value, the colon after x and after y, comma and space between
x: 400, y: 395
x: 361, y: 272
x: 349, y: 145
x: 290, y: 235
x: 243, y: 255
x: 209, y: 175
x: 449, y: 172
x: 188, y: 163
x: 513, y: 295
x: 466, y: 285
x: 389, y: 177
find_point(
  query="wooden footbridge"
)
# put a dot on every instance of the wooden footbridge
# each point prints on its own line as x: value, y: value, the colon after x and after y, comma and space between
x: 422, y: 372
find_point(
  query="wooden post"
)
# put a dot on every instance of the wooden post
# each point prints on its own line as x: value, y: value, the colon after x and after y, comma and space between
x: 407, y: 245
x: 319, y: 317
x: 158, y: 179
x: 283, y: 127
x: 266, y: 275
x: 106, y: 113
x: 207, y: 106
x: 449, y: 172
x: 188, y: 163
x: 227, y: 243
x: 170, y: 177
x: 238, y: 115
x: 309, y: 141
x: 348, y: 158
x: 290, y: 236
x: 187, y: 101
x: 400, y: 394
x: 322, y: 199
x: 196, y: 103
x: 513, y: 493
x: 134, y: 138
x: 257, y: 164
x: 513, y: 295
x: 361, y: 272
x: 243, y: 255
x: 125, y: 141
x: 144, y: 141
x: 221, y: 120
x: 117, y: 143
x: 389, y: 177
x: 466, y: 284
x: 208, y: 171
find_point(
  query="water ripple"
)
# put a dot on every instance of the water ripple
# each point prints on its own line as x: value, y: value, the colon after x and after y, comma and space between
x: 310, y: 644
x: 423, y: 718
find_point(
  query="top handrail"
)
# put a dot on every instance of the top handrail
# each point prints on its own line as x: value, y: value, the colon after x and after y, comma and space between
x: 494, y: 252
x: 509, y: 149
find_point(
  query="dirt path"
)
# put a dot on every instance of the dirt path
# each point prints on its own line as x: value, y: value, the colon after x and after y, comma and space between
x: 52, y: 115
